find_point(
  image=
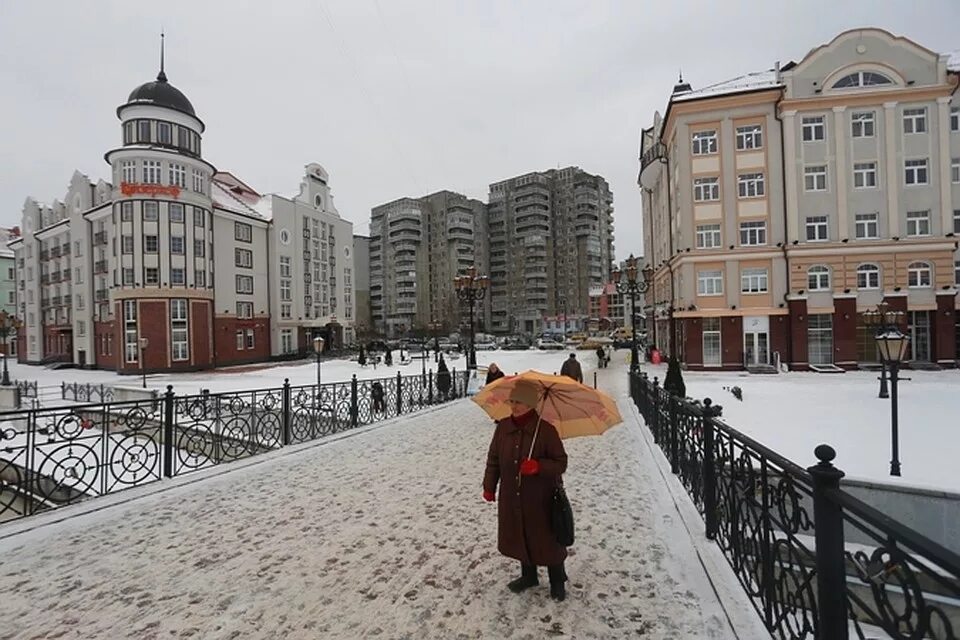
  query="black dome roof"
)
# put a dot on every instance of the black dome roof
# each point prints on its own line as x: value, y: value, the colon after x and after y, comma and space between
x: 163, y: 94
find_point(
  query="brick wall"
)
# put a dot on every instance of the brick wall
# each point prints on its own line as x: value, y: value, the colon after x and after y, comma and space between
x: 225, y: 341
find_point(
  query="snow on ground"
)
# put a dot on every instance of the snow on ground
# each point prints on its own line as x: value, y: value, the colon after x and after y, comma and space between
x: 382, y: 534
x: 792, y: 413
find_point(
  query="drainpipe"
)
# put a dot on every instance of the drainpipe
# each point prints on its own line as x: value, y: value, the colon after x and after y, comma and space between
x: 786, y: 256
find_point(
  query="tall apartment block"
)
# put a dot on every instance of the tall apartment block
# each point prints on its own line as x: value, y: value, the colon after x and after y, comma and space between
x: 551, y: 242
x: 417, y: 247
x: 781, y: 205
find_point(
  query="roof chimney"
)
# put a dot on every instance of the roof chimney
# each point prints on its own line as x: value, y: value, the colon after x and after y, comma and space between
x: 776, y: 71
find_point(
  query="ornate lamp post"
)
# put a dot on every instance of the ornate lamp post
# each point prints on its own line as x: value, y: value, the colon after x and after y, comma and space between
x: 143, y: 343
x: 883, y: 319
x: 318, y: 349
x: 8, y: 325
x: 434, y: 328
x: 632, y: 286
x: 893, y: 349
x: 471, y: 288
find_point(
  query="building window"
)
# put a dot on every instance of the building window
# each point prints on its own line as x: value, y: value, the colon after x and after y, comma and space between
x: 818, y: 278
x: 176, y: 212
x: 245, y: 284
x: 956, y: 220
x: 151, y: 171
x: 817, y: 229
x: 749, y: 137
x: 954, y: 118
x: 706, y: 189
x: 143, y: 131
x: 753, y: 280
x: 242, y: 232
x: 918, y: 275
x: 286, y: 341
x: 814, y: 129
x: 868, y: 226
x: 868, y: 276
x: 199, y: 248
x: 915, y: 171
x: 815, y: 178
x: 704, y: 143
x: 128, y: 171
x: 127, y: 276
x: 285, y: 294
x: 151, y: 244
x: 240, y: 340
x: 820, y: 338
x: 178, y: 175
x: 955, y: 171
x: 285, y: 311
x: 862, y: 124
x: 285, y: 267
x: 245, y: 310
x: 243, y: 258
x: 249, y: 338
x: 79, y: 301
x: 176, y: 245
x: 710, y: 283
x: 865, y: 175
x: 179, y: 335
x: 199, y: 217
x: 126, y: 244
x: 126, y: 212
x: 178, y: 277
x: 163, y: 133
x: 918, y: 223
x: 151, y: 275
x: 130, y: 343
x: 862, y: 79
x: 750, y: 185
x: 198, y: 181
x: 956, y: 272
x: 200, y: 278
x: 711, y: 342
x: 915, y: 120
x: 151, y: 211
x: 753, y: 233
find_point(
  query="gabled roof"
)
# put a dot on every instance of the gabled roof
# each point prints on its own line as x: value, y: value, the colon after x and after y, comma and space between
x: 230, y: 194
x: 755, y: 81
x: 953, y: 61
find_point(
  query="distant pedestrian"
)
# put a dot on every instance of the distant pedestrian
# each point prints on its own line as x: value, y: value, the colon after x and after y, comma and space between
x: 443, y: 378
x: 571, y: 369
x: 601, y: 357
x: 376, y: 394
x: 493, y: 373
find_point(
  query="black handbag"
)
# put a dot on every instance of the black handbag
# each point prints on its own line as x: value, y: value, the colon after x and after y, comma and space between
x: 562, y: 516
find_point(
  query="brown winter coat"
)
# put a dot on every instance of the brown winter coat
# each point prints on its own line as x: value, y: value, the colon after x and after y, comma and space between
x: 525, y: 532
x: 571, y: 369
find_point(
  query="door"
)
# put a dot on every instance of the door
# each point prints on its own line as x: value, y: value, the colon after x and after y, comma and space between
x: 756, y: 348
x: 919, y: 331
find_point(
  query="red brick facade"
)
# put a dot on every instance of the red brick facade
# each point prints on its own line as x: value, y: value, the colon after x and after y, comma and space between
x: 225, y: 341
x: 944, y: 330
x: 845, y: 332
x: 798, y: 335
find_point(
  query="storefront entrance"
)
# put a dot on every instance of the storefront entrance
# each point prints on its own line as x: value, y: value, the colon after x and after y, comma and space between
x: 756, y: 340
x: 918, y: 328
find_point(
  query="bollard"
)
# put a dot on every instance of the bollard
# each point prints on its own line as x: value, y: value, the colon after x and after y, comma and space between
x: 286, y: 411
x: 168, y: 432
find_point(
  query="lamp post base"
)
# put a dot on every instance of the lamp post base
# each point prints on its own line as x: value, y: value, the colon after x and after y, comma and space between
x: 895, y: 468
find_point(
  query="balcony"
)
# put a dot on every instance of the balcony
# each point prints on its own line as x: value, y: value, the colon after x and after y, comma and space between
x: 55, y: 277
x: 44, y: 279
x: 56, y: 301
x: 99, y: 267
x: 102, y: 295
x: 401, y: 235
x: 100, y: 237
x: 65, y: 249
x: 55, y: 252
x: 44, y: 255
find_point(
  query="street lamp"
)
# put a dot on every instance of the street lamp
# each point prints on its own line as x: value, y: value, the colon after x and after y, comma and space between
x: 632, y: 286
x: 893, y: 344
x: 883, y: 319
x: 471, y: 288
x: 563, y: 316
x: 434, y: 328
x: 8, y: 324
x: 143, y: 343
x: 318, y: 348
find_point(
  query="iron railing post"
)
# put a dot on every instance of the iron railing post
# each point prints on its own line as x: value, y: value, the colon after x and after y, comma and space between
x: 354, y: 407
x: 453, y: 383
x: 709, y: 472
x: 286, y: 411
x: 831, y: 567
x: 655, y: 418
x: 767, y: 540
x: 168, y: 432
x: 399, y: 393
x: 674, y: 408
x: 594, y: 379
x: 430, y: 389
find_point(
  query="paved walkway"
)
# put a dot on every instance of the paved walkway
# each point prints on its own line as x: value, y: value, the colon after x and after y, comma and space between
x: 379, y: 535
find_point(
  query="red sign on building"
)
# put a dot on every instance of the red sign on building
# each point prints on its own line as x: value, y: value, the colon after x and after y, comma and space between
x: 133, y: 188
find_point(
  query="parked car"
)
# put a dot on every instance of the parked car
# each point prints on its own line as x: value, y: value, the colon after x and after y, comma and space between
x: 545, y: 344
x: 485, y: 346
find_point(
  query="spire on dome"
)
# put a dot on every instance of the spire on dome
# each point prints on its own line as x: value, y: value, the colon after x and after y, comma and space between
x: 161, y: 77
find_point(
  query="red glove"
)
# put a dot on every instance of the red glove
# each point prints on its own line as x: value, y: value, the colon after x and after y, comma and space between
x: 489, y: 496
x: 529, y: 467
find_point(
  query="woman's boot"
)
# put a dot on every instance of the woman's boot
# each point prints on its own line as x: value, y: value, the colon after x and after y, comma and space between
x: 558, y: 577
x: 527, y: 579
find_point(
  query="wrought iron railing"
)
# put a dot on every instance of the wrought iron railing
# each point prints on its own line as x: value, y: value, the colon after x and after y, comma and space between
x: 78, y: 392
x: 815, y: 561
x: 58, y: 456
x: 27, y: 388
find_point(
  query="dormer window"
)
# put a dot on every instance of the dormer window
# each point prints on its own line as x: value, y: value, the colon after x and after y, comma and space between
x: 862, y: 79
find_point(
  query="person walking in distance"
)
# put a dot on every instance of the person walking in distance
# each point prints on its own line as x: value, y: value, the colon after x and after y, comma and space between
x: 493, y: 373
x: 571, y: 369
x: 525, y: 530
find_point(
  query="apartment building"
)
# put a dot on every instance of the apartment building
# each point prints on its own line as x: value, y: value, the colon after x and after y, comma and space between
x: 8, y: 287
x: 550, y: 242
x: 361, y: 264
x: 781, y: 205
x: 172, y: 265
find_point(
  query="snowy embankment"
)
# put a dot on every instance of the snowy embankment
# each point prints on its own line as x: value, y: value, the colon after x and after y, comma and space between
x: 381, y: 534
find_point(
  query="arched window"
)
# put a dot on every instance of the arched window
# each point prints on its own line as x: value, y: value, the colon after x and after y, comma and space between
x: 868, y: 276
x: 919, y: 275
x: 862, y: 79
x: 818, y: 278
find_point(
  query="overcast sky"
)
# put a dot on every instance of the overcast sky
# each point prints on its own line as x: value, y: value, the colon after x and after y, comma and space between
x: 395, y: 98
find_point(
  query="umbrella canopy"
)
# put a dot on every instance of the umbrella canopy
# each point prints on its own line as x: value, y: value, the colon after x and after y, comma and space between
x: 573, y: 408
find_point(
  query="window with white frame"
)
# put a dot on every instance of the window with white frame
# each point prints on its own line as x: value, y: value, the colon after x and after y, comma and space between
x: 126, y: 244
x: 865, y: 175
x: 151, y: 171
x: 130, y: 339
x: 867, y: 226
x: 918, y: 223
x: 704, y: 142
x: 706, y: 189
x: 750, y: 185
x: 178, y: 276
x: 915, y: 171
x: 818, y: 278
x: 199, y: 217
x: 915, y: 120
x: 749, y: 137
x: 127, y: 275
x: 753, y: 233
x: 176, y: 245
x: 240, y: 340
x: 175, y: 210
x: 285, y: 311
x: 128, y: 171
x: 286, y: 340
x: 164, y: 135
x: 198, y: 181
x: 862, y: 79
x: 245, y: 310
x: 79, y: 301
x: 244, y: 284
x: 918, y: 275
x: 178, y: 175
x: 242, y: 232
x: 179, y: 334
x: 151, y: 275
x: 862, y: 124
x: 817, y: 228
x: 151, y: 244
x: 151, y: 211
x: 955, y: 170
x: 285, y: 267
x: 711, y: 342
x: 285, y: 289
x: 753, y: 280
x: 814, y: 129
x: 243, y: 258
x: 710, y: 283
x: 249, y: 338
x: 868, y: 276
x: 199, y: 248
x: 815, y: 178
x: 200, y: 278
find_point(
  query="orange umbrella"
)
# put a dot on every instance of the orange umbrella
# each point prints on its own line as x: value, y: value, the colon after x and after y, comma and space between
x: 573, y: 408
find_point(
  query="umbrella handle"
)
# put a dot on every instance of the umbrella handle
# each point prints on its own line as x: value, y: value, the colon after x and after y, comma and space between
x: 536, y: 432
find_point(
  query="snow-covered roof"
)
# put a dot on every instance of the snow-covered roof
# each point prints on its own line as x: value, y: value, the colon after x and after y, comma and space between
x: 750, y: 82
x: 231, y: 194
x: 953, y: 60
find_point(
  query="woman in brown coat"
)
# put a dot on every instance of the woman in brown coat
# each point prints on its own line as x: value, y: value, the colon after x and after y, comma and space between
x: 526, y: 491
